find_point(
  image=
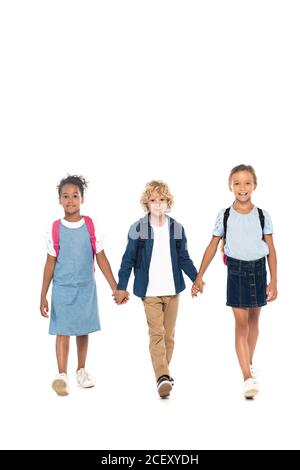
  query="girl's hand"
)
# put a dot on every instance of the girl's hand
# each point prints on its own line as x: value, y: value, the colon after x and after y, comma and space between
x: 126, y: 298
x: 120, y: 296
x: 44, y: 309
x: 197, y: 287
x: 271, y: 291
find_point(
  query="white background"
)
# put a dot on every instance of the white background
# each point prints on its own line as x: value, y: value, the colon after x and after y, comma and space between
x: 123, y: 92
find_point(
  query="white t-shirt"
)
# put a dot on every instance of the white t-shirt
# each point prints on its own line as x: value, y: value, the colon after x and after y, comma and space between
x: 161, y: 280
x: 98, y: 234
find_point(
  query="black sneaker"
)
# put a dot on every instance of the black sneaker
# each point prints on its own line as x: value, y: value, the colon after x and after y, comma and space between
x: 164, y: 386
x: 172, y: 381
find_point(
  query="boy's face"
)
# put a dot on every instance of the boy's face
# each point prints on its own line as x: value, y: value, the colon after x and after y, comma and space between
x: 71, y: 199
x: 158, y: 204
x: 242, y: 185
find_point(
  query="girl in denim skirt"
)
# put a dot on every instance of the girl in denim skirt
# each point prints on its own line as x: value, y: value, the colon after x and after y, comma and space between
x: 247, y: 232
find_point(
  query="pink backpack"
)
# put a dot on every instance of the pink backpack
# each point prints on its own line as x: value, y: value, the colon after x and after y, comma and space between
x: 89, y: 225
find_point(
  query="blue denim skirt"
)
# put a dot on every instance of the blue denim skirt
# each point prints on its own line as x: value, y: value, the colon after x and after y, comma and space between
x: 246, y: 283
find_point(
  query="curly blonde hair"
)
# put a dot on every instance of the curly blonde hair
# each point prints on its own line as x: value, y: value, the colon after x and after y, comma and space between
x: 159, y: 187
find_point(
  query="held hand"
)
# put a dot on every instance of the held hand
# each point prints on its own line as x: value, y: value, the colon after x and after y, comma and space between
x: 120, y: 296
x: 44, y: 309
x: 271, y: 291
x: 125, y: 300
x: 197, y: 287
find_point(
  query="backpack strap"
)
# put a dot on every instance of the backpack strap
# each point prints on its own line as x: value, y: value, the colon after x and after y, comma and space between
x: 141, y: 243
x: 55, y: 236
x: 176, y: 234
x: 91, y: 229
x: 262, y: 220
x: 225, y: 218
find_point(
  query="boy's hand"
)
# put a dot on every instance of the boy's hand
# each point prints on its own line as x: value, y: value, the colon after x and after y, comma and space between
x: 271, y: 291
x: 44, y: 309
x: 120, y: 296
x: 197, y: 287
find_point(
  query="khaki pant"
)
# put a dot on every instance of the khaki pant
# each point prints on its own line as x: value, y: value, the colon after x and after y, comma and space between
x: 161, y: 313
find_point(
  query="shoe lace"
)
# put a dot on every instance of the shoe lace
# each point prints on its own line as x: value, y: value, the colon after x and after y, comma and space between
x: 87, y: 375
x: 250, y: 381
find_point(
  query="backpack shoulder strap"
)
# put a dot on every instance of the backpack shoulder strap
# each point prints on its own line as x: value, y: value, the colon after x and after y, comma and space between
x: 225, y: 218
x: 140, y: 240
x: 91, y: 229
x: 55, y: 236
x: 261, y: 219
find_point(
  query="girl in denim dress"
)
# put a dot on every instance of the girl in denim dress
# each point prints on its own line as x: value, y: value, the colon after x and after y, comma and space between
x: 248, y: 243
x: 74, y: 307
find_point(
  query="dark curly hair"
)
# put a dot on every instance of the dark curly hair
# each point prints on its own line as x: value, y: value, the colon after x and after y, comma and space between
x: 79, y: 181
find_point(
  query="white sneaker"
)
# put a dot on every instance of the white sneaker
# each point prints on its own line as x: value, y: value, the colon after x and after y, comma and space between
x: 254, y: 371
x: 250, y: 388
x: 60, y: 384
x: 84, y: 379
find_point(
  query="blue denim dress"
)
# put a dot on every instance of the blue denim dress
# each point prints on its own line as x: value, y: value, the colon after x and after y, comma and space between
x: 74, y: 307
x: 246, y: 283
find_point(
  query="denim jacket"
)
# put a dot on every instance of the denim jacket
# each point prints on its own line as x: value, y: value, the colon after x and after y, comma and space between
x: 139, y: 251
